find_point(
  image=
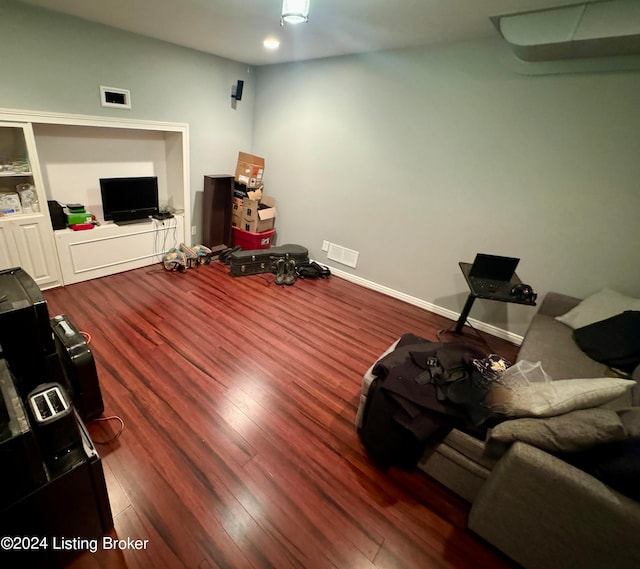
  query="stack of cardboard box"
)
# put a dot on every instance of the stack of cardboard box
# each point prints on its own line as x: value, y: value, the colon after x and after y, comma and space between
x: 253, y: 214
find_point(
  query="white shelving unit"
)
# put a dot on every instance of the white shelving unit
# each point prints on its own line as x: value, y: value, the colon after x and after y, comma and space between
x: 26, y: 239
x: 73, y: 153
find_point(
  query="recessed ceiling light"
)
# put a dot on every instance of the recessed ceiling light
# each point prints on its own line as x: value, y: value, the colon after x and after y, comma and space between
x: 271, y: 43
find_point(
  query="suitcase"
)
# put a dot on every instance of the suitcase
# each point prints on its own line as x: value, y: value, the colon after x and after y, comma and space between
x: 79, y: 368
x: 258, y: 261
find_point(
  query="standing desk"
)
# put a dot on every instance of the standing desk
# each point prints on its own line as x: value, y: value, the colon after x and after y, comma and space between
x: 502, y: 295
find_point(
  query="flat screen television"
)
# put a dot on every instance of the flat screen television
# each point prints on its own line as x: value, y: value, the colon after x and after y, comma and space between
x: 129, y: 200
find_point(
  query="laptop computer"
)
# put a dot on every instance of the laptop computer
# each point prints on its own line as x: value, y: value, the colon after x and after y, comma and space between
x: 492, y: 273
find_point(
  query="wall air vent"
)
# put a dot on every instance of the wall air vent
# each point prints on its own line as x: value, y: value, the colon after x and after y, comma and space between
x: 343, y: 255
x: 598, y: 28
x: 115, y: 98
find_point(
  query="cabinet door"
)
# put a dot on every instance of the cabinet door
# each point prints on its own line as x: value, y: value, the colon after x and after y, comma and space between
x: 36, y: 251
x: 8, y: 250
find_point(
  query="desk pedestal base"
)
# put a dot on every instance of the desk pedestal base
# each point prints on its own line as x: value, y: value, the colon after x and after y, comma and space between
x: 464, y: 314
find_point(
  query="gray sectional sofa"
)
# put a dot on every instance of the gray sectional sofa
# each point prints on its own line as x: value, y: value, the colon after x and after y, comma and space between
x: 536, y: 508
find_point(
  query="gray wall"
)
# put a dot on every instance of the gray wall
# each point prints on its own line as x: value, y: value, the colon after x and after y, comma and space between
x: 51, y: 62
x: 415, y: 158
x: 420, y: 158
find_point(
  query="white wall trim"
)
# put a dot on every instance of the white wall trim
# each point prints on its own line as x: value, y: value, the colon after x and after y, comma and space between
x: 46, y: 117
x: 477, y: 324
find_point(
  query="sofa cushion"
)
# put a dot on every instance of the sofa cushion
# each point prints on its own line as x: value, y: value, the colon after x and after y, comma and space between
x: 551, y: 342
x: 470, y: 447
x: 599, y: 306
x: 544, y: 514
x: 454, y: 470
x: 557, y: 304
x: 546, y: 399
x: 570, y: 432
x: 616, y: 464
x: 630, y: 418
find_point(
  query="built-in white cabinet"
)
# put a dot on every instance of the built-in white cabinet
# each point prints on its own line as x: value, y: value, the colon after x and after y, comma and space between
x: 110, y: 248
x: 26, y: 235
x: 63, y: 157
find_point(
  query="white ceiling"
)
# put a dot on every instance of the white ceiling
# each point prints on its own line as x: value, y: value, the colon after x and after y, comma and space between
x: 235, y: 29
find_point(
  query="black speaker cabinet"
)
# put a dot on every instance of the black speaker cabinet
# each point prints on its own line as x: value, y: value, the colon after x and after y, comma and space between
x: 79, y: 368
x: 21, y: 466
x: 216, y: 212
x: 26, y: 341
x: 58, y: 217
x: 73, y: 504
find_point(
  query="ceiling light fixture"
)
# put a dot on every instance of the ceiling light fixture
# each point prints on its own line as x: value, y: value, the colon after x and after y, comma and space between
x: 271, y: 43
x: 294, y: 12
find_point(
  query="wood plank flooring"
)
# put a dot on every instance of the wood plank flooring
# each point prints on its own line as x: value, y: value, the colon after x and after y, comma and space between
x: 239, y: 450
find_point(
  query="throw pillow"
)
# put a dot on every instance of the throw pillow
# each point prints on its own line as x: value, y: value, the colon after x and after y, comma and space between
x: 614, y: 341
x: 599, y: 306
x: 546, y: 399
x: 569, y: 432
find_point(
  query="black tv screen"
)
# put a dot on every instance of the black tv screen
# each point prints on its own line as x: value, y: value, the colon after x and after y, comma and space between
x: 129, y: 199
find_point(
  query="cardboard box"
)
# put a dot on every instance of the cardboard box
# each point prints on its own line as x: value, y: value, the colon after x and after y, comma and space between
x: 250, y: 205
x: 258, y: 214
x: 236, y: 212
x: 249, y: 170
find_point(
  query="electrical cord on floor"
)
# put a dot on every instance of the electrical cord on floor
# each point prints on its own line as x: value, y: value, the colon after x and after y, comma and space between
x: 87, y: 338
x: 444, y: 331
x: 114, y: 437
x: 156, y: 270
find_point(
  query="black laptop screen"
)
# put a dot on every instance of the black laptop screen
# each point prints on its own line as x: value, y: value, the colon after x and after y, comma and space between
x: 493, y: 267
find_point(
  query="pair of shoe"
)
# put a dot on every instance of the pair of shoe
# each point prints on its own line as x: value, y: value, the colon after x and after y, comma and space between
x: 196, y: 255
x: 175, y: 260
x: 285, y: 272
x: 183, y: 257
x: 312, y: 270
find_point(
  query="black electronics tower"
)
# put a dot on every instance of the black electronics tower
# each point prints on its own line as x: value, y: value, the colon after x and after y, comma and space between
x: 26, y: 340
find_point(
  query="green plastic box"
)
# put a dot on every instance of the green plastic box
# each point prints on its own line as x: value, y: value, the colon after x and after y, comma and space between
x: 73, y: 218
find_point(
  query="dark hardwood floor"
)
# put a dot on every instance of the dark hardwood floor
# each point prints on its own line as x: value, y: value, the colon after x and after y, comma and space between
x: 239, y: 449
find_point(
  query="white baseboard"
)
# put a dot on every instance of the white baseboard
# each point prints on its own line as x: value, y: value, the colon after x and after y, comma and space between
x: 477, y: 324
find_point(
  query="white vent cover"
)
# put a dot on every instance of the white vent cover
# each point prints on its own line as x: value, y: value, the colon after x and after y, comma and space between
x: 115, y: 98
x: 343, y: 255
